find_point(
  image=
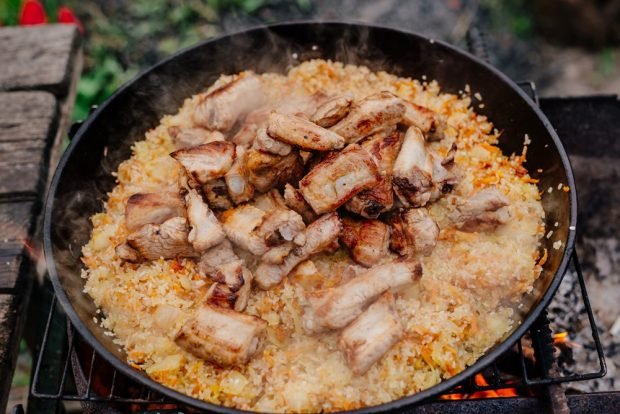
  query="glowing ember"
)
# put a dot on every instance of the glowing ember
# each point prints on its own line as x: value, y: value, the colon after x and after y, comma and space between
x: 482, y: 382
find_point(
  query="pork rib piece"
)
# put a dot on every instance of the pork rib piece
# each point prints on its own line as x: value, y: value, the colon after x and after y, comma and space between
x: 384, y: 148
x: 267, y: 171
x: 191, y: 137
x: 208, y: 161
x: 336, y: 307
x: 222, y: 336
x: 370, y: 115
x: 317, y: 237
x: 221, y: 108
x: 483, y: 211
x: 371, y: 335
x: 332, y: 111
x: 294, y: 130
x: 432, y: 124
x: 205, y: 230
x: 413, y: 230
x: 167, y: 240
x: 237, y: 178
x: 337, y: 178
x: 367, y: 240
x: 152, y: 208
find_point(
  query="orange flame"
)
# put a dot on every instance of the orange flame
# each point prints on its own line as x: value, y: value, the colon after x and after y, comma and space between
x: 482, y: 382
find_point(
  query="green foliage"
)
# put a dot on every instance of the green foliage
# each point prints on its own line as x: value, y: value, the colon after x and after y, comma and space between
x: 125, y: 36
x: 607, y: 61
x: 513, y: 15
x: 9, y: 11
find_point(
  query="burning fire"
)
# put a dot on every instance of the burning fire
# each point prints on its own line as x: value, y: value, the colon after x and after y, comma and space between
x: 482, y: 382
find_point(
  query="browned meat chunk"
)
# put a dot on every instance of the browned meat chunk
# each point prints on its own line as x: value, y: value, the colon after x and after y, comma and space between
x: 370, y: 203
x: 237, y: 181
x: 233, y: 282
x: 241, y: 224
x: 336, y: 307
x: 318, y: 236
x: 126, y: 253
x: 205, y: 231
x: 264, y: 142
x: 379, y: 198
x: 152, y: 208
x: 295, y: 201
x: 216, y: 256
x: 222, y: 336
x: 167, y: 240
x: 277, y: 254
x: 279, y: 226
x: 216, y: 192
x: 371, y: 335
x: 413, y: 230
x: 221, y: 108
x: 484, y: 211
x: 337, y: 178
x: 302, y: 133
x: 207, y: 162
x: 432, y: 124
x: 413, y: 170
x: 267, y: 171
x: 270, y: 201
x: 367, y: 240
x: 191, y: 137
x: 370, y: 115
x: 332, y: 111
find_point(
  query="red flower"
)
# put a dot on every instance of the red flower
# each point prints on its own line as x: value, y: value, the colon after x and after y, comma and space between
x: 32, y: 13
x: 65, y: 15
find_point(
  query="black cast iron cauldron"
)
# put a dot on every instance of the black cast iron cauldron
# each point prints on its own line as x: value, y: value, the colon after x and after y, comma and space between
x: 84, y: 174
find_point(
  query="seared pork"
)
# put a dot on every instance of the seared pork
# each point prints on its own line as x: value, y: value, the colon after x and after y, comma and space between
x: 413, y: 230
x: 127, y: 253
x: 222, y: 336
x: 240, y: 225
x: 191, y: 137
x: 216, y: 192
x: 280, y: 225
x: 318, y: 236
x: 302, y: 133
x: 337, y: 178
x: 432, y: 124
x: 216, y: 256
x: 205, y: 230
x: 167, y: 240
x: 370, y: 115
x: 208, y: 161
x: 264, y: 142
x: 237, y: 181
x: 367, y: 240
x: 295, y: 201
x: 335, y: 308
x: 332, y: 111
x: 384, y: 148
x: 267, y: 171
x: 484, y: 211
x: 152, y: 208
x: 371, y: 335
x: 413, y: 170
x: 269, y: 201
x: 221, y: 108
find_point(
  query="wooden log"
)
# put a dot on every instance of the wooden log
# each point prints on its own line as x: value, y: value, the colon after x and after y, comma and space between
x: 16, y: 222
x: 27, y: 122
x: 37, y: 57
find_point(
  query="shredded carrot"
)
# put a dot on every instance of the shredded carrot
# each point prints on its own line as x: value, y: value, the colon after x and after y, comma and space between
x: 544, y: 258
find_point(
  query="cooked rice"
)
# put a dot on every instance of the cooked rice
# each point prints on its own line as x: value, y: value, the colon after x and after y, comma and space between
x: 462, y: 306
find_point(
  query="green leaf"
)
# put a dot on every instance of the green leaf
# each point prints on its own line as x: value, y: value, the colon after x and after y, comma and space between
x: 304, y: 5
